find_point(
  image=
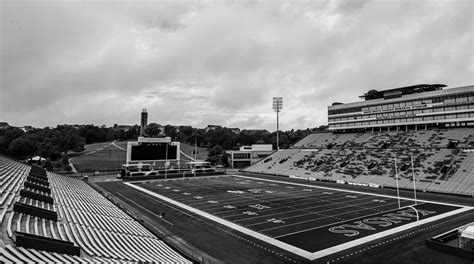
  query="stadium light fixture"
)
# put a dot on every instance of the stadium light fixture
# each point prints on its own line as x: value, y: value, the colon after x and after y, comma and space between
x: 277, y: 107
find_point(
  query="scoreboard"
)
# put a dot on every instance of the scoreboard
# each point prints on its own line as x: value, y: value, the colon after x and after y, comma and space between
x: 152, y: 149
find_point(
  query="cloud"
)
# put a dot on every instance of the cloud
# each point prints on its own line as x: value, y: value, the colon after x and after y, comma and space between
x: 215, y: 62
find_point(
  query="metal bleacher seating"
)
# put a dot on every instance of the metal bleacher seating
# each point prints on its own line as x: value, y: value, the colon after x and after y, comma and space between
x: 81, y: 219
x: 321, y: 155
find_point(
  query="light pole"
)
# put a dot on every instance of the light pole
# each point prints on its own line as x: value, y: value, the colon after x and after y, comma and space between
x: 277, y: 107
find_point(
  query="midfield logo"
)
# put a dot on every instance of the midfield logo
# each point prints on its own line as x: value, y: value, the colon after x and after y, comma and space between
x: 259, y: 206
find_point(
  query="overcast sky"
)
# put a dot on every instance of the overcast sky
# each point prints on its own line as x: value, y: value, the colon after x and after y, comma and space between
x: 221, y: 62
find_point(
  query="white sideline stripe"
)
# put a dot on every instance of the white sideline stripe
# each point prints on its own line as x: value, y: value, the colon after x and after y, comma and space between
x: 267, y: 239
x: 299, y: 251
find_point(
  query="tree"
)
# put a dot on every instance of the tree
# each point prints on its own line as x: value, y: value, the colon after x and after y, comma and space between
x: 133, y: 132
x: 216, y: 150
x: 171, y: 131
x: 214, y: 154
x: 49, y: 149
x: 69, y: 139
x: 21, y: 148
x: 153, y: 130
x: 8, y: 135
x: 225, y: 159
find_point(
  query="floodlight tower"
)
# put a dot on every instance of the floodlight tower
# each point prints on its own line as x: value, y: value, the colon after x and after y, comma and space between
x: 277, y: 107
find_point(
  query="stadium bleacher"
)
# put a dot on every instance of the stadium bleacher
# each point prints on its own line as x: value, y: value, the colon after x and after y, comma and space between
x: 79, y: 226
x: 443, y: 159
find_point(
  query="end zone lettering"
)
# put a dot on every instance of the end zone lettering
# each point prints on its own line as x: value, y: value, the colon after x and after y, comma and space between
x: 372, y: 223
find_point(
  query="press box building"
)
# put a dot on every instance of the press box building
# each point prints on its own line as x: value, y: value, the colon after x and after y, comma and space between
x: 413, y: 107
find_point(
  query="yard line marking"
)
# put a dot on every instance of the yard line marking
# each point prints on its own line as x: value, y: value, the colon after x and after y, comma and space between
x: 348, y: 191
x: 314, y: 219
x: 242, y: 229
x: 330, y: 215
x: 294, y: 249
x: 349, y: 220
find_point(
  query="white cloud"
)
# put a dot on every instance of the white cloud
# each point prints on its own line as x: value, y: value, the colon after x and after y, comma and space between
x: 215, y: 62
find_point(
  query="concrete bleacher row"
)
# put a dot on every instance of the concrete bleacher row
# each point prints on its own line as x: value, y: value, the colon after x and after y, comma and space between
x: 11, y: 254
x: 84, y: 220
x: 358, y: 158
x: 435, y: 138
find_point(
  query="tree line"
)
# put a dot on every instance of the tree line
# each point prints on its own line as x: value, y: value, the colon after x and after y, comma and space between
x: 55, y: 144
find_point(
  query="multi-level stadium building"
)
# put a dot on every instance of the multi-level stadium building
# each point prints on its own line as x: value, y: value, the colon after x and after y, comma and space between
x: 412, y: 107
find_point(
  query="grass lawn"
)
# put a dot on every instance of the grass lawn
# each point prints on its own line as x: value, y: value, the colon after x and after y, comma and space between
x: 101, y: 156
x: 188, y: 149
x: 108, y: 156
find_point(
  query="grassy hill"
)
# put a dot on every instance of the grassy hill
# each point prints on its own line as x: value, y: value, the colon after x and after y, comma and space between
x: 188, y: 150
x: 101, y: 156
x: 111, y: 155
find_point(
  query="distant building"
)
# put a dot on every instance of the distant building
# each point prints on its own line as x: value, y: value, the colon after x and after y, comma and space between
x: 123, y: 127
x: 412, y: 107
x: 249, y: 155
x: 143, y: 122
x: 235, y: 130
x: 4, y: 125
x: 211, y: 127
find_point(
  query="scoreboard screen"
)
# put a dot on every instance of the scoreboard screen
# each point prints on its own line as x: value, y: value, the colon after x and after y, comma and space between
x: 154, y: 151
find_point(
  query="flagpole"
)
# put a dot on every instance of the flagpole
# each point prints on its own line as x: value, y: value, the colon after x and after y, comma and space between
x: 396, y: 178
x: 413, y: 173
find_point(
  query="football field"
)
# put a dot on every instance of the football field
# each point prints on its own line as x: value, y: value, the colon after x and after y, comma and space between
x: 307, y: 220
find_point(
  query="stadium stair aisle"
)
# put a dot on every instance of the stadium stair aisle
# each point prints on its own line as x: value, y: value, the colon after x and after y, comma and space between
x: 104, y: 232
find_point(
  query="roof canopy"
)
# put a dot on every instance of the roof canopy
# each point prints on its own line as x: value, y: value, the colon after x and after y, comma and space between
x: 398, y: 92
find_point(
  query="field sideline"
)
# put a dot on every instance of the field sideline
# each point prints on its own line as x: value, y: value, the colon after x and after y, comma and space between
x: 290, y: 215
